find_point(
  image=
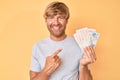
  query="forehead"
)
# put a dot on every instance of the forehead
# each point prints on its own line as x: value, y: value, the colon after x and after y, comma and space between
x: 56, y: 14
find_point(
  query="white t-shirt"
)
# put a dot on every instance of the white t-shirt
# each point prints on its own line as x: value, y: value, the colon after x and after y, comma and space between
x: 70, y: 57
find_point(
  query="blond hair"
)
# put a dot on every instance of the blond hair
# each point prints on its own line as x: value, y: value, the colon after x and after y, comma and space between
x: 55, y: 8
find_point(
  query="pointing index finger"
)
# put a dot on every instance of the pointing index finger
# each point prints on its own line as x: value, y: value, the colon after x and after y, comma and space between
x: 56, y: 52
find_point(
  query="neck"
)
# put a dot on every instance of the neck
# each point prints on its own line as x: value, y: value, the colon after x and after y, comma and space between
x: 58, y: 38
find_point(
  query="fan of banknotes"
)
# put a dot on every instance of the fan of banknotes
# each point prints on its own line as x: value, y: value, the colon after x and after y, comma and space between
x: 86, y: 37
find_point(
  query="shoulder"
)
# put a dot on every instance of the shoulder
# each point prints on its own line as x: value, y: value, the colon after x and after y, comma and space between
x: 37, y: 46
x: 42, y: 41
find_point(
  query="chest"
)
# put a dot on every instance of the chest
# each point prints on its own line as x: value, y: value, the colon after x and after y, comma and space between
x: 70, y: 57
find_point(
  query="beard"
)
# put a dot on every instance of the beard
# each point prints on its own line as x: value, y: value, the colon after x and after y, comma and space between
x: 56, y: 30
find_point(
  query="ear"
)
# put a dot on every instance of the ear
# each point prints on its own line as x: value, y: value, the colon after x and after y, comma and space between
x: 66, y: 20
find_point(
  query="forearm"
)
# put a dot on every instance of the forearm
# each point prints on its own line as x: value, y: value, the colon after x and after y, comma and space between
x: 40, y: 76
x: 84, y: 73
x: 51, y: 64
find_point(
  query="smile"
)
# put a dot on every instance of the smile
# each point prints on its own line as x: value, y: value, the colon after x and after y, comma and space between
x: 56, y: 28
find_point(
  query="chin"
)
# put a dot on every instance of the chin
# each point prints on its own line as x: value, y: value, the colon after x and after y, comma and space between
x: 59, y: 35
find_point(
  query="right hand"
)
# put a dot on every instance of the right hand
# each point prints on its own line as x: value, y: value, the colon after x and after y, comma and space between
x: 52, y: 63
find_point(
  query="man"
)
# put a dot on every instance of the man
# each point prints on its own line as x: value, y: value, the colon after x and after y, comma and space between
x: 58, y: 57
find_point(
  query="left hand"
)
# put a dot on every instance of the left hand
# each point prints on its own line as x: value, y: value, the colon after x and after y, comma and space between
x: 88, y: 57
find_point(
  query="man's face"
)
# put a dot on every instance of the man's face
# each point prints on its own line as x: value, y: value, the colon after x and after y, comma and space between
x: 56, y: 25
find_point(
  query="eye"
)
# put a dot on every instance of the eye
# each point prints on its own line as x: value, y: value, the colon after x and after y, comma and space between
x: 61, y: 17
x: 50, y: 17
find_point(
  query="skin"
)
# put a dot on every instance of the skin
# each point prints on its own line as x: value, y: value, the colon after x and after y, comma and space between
x: 56, y: 25
x: 52, y: 63
x: 88, y: 58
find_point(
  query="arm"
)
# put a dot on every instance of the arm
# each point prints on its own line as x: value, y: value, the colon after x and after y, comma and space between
x: 52, y: 63
x: 88, y: 58
x: 85, y: 73
x: 38, y: 75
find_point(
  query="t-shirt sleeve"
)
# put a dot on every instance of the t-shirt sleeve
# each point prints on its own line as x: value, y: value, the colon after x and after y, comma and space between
x: 35, y: 65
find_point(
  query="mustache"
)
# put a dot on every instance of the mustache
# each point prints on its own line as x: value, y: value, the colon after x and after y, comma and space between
x: 56, y: 25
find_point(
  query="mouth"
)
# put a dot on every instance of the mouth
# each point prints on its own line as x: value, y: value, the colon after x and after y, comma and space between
x: 56, y: 28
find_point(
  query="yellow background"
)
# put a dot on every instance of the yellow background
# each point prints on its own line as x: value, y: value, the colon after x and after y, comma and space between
x: 22, y: 24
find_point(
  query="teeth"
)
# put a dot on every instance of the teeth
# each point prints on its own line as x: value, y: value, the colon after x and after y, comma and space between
x: 56, y: 28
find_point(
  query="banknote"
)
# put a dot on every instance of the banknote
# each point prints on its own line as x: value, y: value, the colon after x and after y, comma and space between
x: 86, y: 37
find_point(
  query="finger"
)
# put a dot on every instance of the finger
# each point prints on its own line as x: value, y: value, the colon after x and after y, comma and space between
x: 93, y: 53
x: 56, y: 52
x: 54, y: 66
x: 49, y: 69
x: 58, y: 62
x: 55, y: 58
x: 88, y: 54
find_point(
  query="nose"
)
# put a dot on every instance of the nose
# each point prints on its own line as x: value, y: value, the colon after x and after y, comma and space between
x: 56, y: 21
